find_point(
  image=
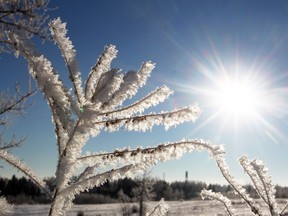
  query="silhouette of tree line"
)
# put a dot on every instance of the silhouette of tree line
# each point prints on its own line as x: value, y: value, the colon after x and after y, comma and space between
x: 22, y: 190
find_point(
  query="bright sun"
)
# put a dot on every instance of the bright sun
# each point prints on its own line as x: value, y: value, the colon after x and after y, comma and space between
x: 237, y: 97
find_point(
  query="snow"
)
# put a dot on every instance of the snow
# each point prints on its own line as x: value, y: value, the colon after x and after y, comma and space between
x: 183, y: 208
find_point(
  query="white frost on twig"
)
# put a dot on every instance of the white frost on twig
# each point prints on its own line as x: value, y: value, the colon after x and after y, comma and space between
x: 5, y: 208
x: 160, y: 210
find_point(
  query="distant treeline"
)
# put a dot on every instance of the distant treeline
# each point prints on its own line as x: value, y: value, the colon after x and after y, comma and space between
x: 22, y: 190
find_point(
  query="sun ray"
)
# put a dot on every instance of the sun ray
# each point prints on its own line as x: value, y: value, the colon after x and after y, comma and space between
x: 207, y: 121
x: 241, y: 93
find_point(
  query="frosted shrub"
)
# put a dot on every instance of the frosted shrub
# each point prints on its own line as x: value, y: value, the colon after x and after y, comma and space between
x: 84, y: 112
x: 261, y: 181
x: 88, y: 109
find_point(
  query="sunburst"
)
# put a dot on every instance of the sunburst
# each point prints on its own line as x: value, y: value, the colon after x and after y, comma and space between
x: 238, y: 97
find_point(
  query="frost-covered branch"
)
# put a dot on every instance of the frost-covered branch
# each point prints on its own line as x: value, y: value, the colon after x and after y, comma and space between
x: 15, y: 103
x: 15, y: 162
x: 146, y: 122
x: 132, y: 82
x: 5, y: 208
x: 13, y: 143
x: 68, y: 194
x: 262, y: 182
x: 77, y: 116
x: 84, y: 111
x: 52, y: 87
x: 152, y: 99
x: 101, y: 67
x: 107, y: 85
x: 269, y: 188
x: 282, y: 213
x: 27, y: 17
x: 148, y: 156
x: 161, y: 209
x: 58, y: 32
x: 218, y: 196
x: 238, y: 189
x: 151, y: 155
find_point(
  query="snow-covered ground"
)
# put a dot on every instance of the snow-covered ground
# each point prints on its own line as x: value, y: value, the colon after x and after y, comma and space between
x: 184, y: 208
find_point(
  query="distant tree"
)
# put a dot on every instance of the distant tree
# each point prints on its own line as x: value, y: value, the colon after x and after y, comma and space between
x: 143, y: 191
x: 187, y: 190
x: 251, y: 191
x: 178, y: 189
x: 126, y: 185
x: 122, y: 197
x: 3, y: 184
x: 160, y: 189
x: 217, y: 187
x: 50, y: 182
x: 281, y: 192
x: 178, y: 194
x: 15, y: 186
x: 12, y: 186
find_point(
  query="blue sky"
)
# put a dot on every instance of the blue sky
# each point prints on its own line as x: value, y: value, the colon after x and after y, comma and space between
x: 196, y: 46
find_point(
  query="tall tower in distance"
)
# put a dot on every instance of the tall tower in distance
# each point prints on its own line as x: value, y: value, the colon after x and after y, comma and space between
x: 186, y: 183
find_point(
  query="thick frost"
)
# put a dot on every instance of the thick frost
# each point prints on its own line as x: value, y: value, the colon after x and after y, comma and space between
x: 209, y: 194
x: 14, y: 161
x: 262, y: 182
x: 58, y: 32
x: 5, y: 208
x: 84, y: 111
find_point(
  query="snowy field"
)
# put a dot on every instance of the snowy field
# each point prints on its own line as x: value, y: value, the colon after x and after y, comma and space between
x: 184, y: 208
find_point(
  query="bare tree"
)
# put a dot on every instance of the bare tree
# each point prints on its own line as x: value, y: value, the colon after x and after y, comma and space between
x: 25, y: 16
x: 12, y: 104
x: 144, y: 191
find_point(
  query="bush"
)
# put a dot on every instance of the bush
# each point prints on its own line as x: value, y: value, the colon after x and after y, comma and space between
x: 129, y: 210
x: 86, y: 198
x: 20, y: 199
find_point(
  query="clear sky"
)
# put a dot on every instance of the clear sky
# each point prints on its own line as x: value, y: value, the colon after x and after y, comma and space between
x: 228, y: 56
